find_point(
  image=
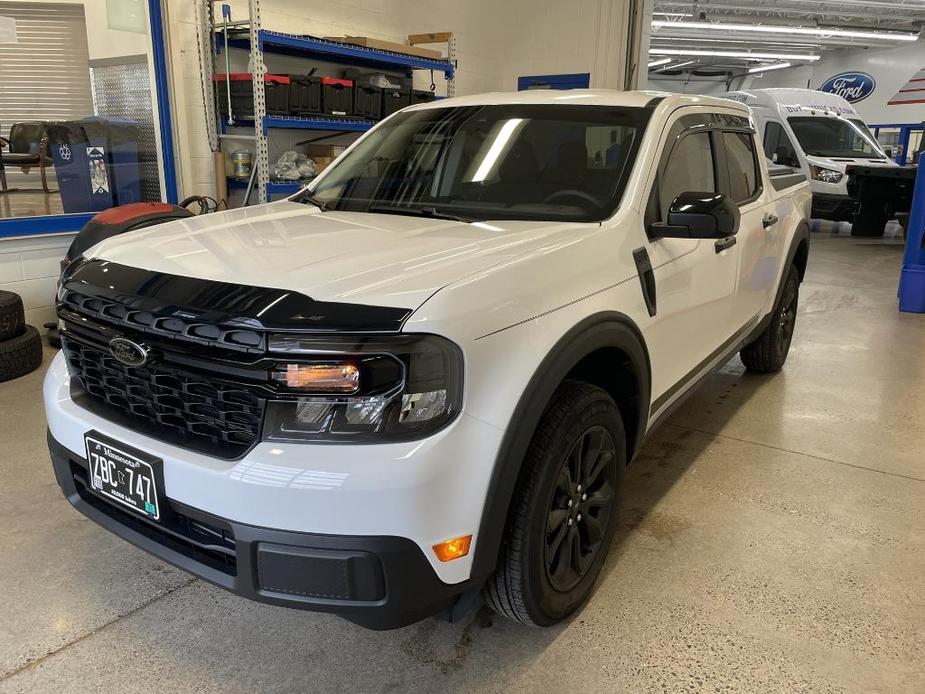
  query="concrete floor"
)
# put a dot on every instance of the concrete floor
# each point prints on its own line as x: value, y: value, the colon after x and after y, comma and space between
x: 773, y: 540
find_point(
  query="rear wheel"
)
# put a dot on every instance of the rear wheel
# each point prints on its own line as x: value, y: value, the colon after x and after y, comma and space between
x: 564, y: 511
x: 769, y: 351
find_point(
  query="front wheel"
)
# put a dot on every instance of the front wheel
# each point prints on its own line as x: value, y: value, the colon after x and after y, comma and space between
x: 564, y: 511
x: 768, y: 352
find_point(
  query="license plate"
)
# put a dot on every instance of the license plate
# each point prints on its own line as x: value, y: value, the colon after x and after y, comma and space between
x: 125, y: 477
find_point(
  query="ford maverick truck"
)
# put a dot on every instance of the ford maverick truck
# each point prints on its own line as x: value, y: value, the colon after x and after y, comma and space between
x: 420, y: 380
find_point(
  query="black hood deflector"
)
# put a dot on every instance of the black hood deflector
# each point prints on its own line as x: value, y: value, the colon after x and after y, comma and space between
x: 224, y: 303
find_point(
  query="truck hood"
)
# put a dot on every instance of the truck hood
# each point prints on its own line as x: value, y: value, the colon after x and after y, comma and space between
x: 374, y: 259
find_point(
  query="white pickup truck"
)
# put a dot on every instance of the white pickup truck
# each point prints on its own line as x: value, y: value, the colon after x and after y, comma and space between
x: 420, y: 380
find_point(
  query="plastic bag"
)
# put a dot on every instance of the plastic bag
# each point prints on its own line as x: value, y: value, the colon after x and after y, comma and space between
x: 293, y: 166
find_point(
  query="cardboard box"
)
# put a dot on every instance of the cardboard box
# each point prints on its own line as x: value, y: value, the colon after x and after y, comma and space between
x: 321, y: 163
x: 332, y: 151
x: 381, y: 45
x: 437, y: 37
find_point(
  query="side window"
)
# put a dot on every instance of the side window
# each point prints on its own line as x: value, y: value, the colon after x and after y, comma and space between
x: 688, y: 167
x: 777, y: 145
x: 742, y: 163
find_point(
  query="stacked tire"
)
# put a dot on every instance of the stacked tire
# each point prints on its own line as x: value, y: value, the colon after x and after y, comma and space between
x: 20, y: 344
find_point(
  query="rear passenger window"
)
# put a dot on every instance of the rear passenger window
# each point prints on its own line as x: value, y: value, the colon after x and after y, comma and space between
x: 740, y: 157
x: 689, y: 168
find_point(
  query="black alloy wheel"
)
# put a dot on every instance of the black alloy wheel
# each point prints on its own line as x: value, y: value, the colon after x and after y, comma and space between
x: 580, y: 509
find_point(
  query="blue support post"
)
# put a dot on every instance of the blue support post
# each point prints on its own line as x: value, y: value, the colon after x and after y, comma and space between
x: 158, y: 46
x: 912, y: 278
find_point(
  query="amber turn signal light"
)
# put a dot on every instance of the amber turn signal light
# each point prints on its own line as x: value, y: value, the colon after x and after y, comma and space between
x: 320, y: 378
x: 453, y: 549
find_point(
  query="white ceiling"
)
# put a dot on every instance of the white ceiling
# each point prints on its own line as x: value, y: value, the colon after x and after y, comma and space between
x: 670, y: 33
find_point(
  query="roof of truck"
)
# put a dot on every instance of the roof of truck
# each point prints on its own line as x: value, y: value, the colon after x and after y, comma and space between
x: 595, y: 97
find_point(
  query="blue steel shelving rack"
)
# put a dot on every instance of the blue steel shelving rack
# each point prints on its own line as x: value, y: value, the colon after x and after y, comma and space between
x: 258, y: 41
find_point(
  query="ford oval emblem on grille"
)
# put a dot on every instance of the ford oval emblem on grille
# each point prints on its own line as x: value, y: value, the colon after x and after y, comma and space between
x: 129, y: 353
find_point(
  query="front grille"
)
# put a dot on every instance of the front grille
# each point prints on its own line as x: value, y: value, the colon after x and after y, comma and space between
x: 174, y: 326
x: 192, y: 410
x: 203, y: 542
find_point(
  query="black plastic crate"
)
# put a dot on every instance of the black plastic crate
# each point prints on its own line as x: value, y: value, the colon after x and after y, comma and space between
x: 304, y: 95
x: 395, y: 99
x: 336, y: 96
x: 367, y: 101
x: 421, y: 96
x: 276, y: 90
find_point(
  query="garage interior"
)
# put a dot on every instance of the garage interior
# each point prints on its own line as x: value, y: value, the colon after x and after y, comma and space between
x: 771, y: 536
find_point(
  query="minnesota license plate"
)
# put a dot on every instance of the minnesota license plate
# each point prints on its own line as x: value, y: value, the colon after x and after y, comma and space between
x: 125, y: 477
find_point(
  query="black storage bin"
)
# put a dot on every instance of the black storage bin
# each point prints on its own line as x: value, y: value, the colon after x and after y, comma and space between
x: 276, y: 91
x: 395, y: 99
x: 336, y: 96
x: 367, y: 101
x: 304, y: 95
x: 421, y: 96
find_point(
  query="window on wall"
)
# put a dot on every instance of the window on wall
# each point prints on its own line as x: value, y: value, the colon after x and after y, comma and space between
x: 76, y: 108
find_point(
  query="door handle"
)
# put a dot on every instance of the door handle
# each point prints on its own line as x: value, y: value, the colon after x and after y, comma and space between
x: 723, y: 244
x: 769, y: 221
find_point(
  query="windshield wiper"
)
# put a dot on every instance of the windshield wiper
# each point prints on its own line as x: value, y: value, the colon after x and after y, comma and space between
x: 312, y: 200
x: 432, y: 212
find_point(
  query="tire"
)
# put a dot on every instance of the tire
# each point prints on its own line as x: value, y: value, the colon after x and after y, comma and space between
x: 12, y: 318
x: 21, y: 355
x: 535, y: 582
x: 768, y: 352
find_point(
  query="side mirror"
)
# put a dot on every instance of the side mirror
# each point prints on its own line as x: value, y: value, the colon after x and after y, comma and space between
x: 699, y: 216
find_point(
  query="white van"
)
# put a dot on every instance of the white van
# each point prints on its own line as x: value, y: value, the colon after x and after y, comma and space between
x: 819, y: 133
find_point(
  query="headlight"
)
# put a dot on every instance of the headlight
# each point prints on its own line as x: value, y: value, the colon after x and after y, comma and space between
x: 825, y: 175
x: 363, y: 389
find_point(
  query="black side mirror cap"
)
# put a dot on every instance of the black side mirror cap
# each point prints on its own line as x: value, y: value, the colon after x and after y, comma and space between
x: 696, y: 215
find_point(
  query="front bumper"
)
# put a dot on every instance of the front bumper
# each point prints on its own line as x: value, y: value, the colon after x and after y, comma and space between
x: 390, y: 501
x: 834, y: 207
x: 378, y: 582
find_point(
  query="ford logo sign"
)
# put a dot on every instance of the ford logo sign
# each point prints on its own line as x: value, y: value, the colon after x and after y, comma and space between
x: 129, y: 353
x: 851, y: 86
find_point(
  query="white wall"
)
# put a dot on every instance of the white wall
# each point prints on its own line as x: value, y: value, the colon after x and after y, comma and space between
x: 496, y: 42
x: 890, y: 68
x: 29, y: 267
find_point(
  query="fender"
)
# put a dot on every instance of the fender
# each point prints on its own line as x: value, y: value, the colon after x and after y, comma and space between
x: 601, y: 330
x: 800, y: 235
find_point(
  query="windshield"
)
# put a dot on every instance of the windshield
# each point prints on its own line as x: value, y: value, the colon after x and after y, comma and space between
x: 512, y: 161
x: 833, y: 137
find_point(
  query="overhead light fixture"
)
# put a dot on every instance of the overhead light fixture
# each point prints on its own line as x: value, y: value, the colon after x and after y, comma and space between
x: 673, y: 14
x: 765, y: 68
x: 822, y: 32
x: 734, y: 54
x: 660, y: 61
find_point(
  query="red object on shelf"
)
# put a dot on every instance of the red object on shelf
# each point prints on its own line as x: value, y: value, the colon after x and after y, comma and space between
x: 337, y: 81
x: 247, y: 77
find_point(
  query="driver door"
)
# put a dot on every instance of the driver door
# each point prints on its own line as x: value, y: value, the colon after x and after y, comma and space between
x: 695, y: 278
